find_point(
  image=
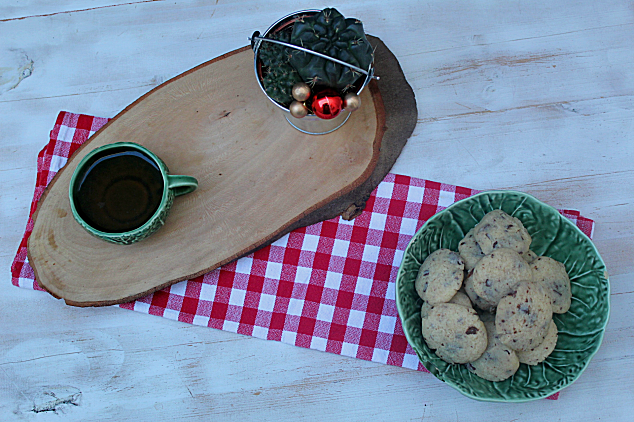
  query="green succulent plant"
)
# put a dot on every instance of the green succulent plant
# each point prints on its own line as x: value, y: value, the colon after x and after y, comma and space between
x: 273, y: 55
x: 278, y: 82
x: 278, y: 76
x: 327, y: 32
x: 330, y: 33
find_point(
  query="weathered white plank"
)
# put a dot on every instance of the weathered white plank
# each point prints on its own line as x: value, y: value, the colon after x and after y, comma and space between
x: 530, y: 96
x: 196, y: 371
x: 24, y: 9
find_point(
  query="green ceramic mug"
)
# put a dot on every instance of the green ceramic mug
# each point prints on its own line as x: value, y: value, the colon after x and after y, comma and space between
x: 122, y: 192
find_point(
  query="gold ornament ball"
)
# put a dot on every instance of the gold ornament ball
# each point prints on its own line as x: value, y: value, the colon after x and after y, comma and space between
x: 298, y: 109
x: 301, y: 91
x: 351, y: 102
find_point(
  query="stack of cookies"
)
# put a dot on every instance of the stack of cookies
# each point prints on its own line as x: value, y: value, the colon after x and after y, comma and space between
x: 490, y: 305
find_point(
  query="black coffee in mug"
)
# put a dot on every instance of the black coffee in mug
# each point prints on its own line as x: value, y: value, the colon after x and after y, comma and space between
x: 119, y: 190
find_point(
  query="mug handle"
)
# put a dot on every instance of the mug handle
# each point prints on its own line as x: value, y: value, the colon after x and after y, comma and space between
x: 181, y: 184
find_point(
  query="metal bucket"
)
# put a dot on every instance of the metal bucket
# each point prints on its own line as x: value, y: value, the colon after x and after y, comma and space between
x: 310, y: 124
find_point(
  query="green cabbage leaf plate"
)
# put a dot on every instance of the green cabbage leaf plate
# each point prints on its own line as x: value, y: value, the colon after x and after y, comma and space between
x: 580, y: 329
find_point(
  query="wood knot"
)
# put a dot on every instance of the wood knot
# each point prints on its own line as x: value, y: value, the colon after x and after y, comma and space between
x: 353, y: 211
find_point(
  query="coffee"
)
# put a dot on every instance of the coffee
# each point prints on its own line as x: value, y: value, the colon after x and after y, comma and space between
x: 118, y: 190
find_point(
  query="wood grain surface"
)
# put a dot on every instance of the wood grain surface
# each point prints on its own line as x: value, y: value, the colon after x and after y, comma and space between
x: 256, y: 177
x: 533, y: 96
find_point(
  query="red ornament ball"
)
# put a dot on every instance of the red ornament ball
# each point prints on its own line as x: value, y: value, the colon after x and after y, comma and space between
x: 327, y: 104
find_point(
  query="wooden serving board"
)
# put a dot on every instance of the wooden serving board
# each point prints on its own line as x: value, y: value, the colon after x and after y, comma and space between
x: 258, y: 179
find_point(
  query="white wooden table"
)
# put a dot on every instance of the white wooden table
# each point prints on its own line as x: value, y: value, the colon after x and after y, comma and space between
x: 536, y: 96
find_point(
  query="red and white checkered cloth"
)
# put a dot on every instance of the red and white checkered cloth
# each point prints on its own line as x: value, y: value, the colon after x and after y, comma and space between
x: 329, y: 286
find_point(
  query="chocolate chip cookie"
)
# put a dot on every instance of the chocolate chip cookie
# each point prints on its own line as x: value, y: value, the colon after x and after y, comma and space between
x: 455, y: 333
x: 475, y: 298
x: 470, y: 251
x: 552, y: 274
x: 440, y: 276
x: 539, y: 353
x: 497, y: 229
x: 497, y: 274
x: 524, y: 316
x: 498, y: 362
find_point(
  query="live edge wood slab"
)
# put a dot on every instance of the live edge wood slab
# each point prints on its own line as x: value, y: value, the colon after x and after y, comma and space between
x: 258, y: 178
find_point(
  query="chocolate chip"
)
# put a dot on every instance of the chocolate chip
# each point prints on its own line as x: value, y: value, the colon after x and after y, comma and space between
x: 509, y: 226
x: 488, y: 282
x: 472, y: 330
x: 495, y: 243
x: 425, y: 273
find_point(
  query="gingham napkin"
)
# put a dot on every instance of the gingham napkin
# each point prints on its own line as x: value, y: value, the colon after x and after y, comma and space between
x: 329, y: 286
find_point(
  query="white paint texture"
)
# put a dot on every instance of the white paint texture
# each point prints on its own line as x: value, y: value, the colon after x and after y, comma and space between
x: 534, y: 96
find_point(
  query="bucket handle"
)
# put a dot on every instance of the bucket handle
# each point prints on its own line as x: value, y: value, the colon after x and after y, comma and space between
x: 257, y: 38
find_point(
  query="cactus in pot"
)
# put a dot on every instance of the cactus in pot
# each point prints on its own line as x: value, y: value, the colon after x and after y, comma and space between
x: 327, y: 32
x: 279, y: 82
x: 278, y: 76
x: 330, y: 33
